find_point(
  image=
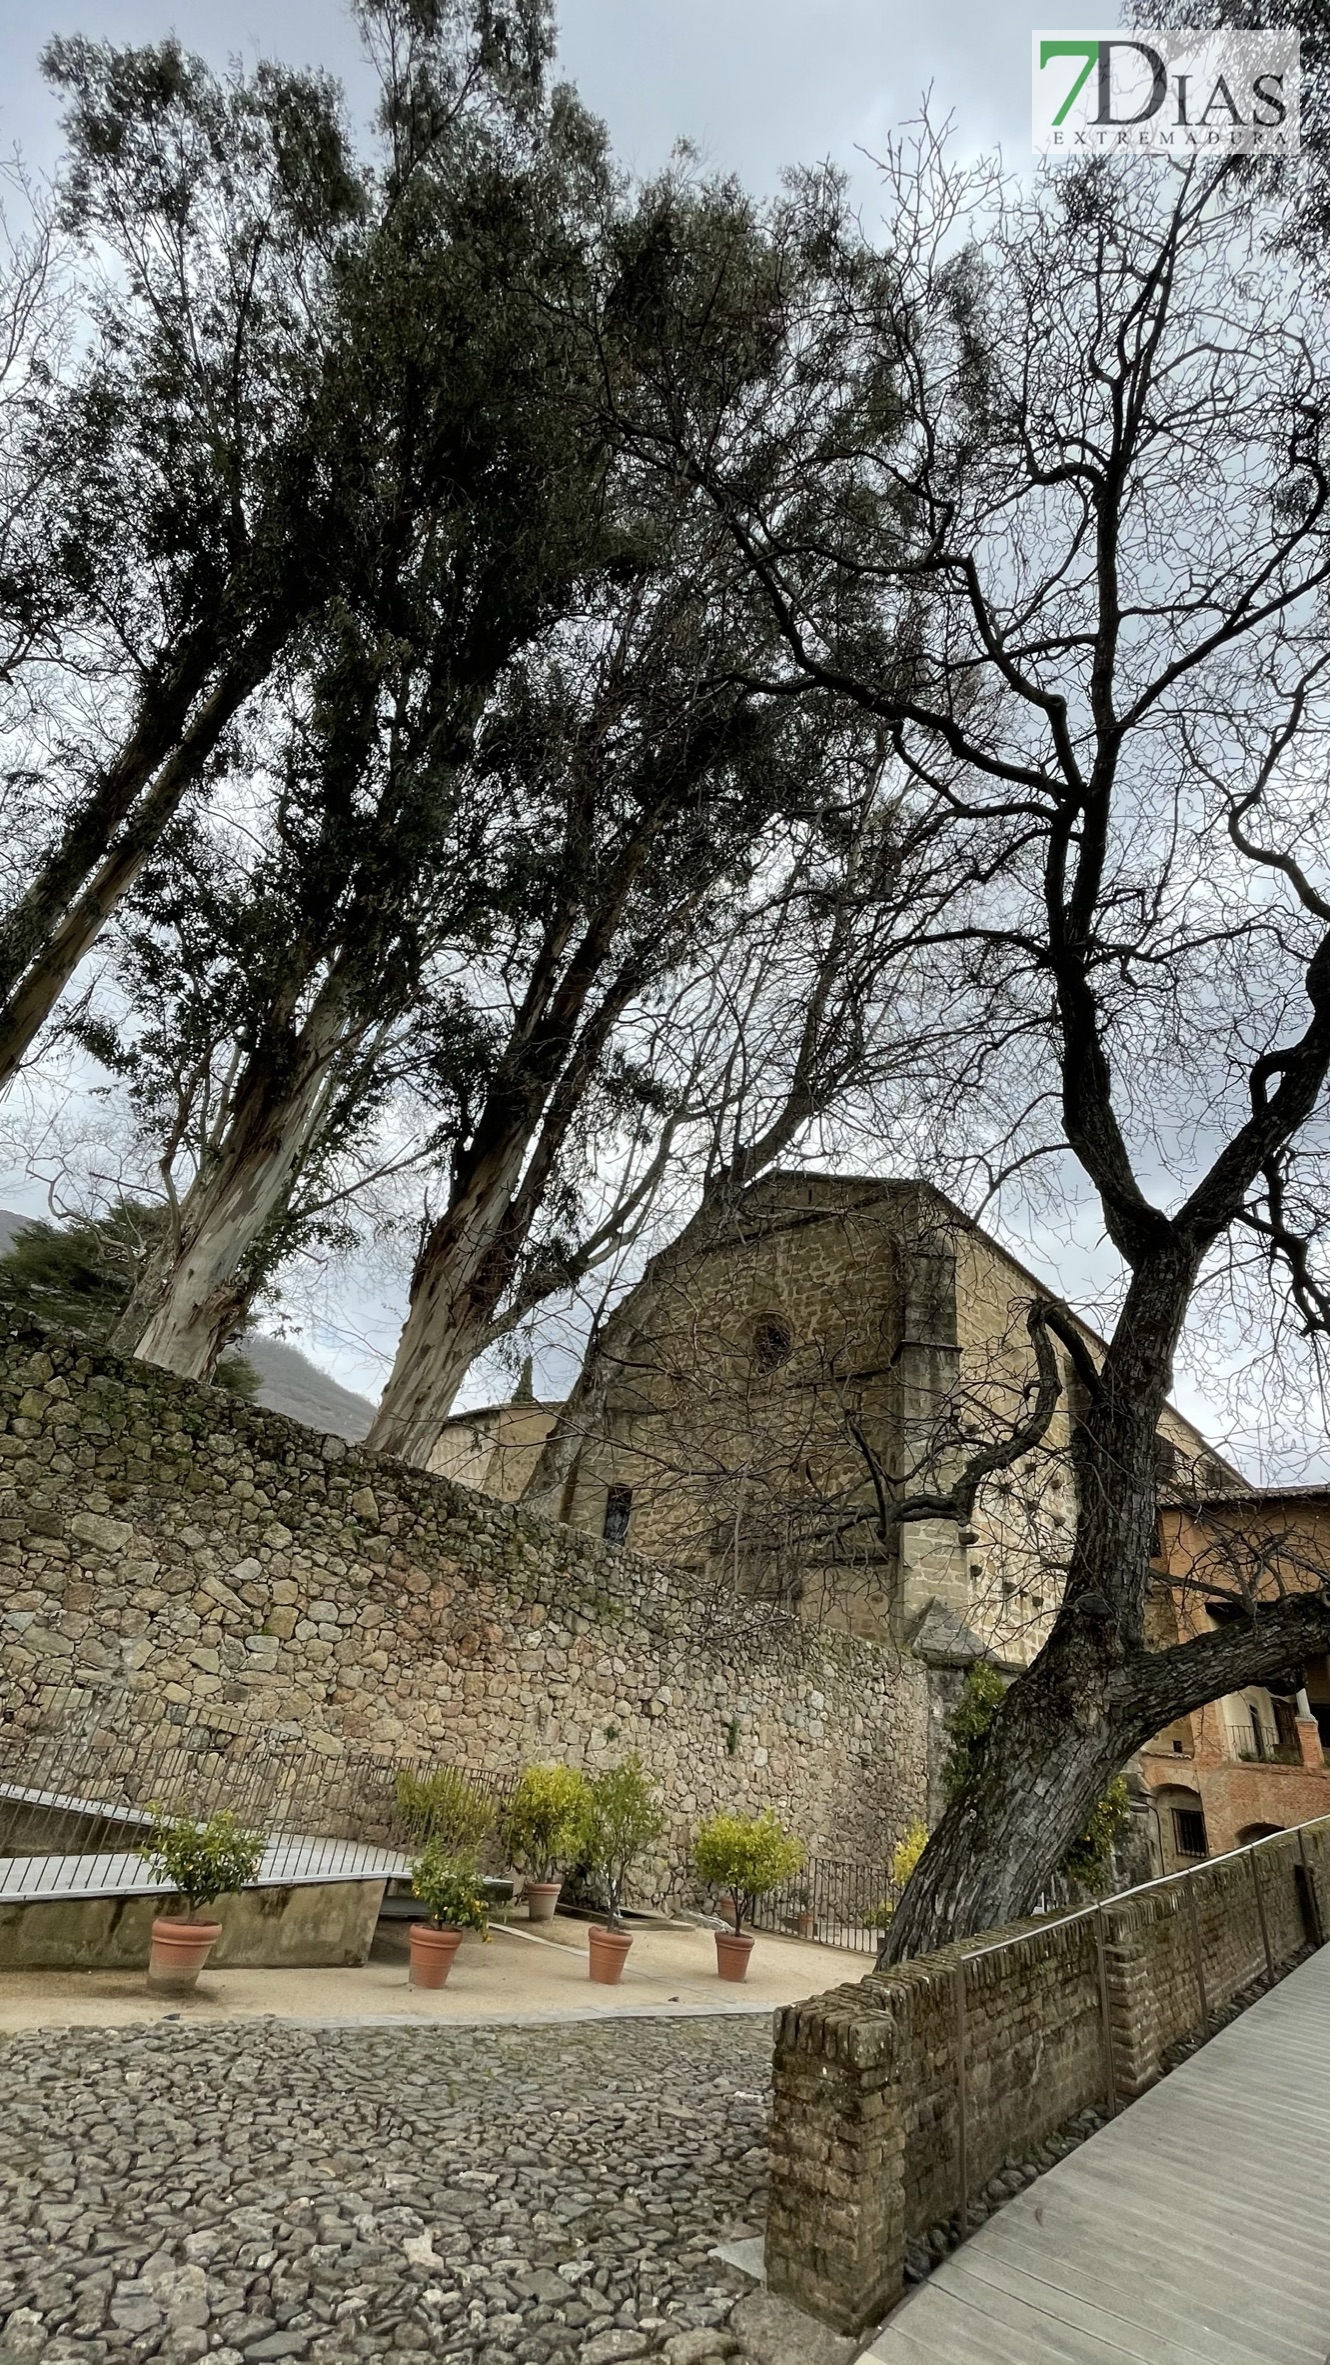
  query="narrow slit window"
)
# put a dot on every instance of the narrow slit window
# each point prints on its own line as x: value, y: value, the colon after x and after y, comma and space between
x: 618, y: 1507
x: 773, y: 1343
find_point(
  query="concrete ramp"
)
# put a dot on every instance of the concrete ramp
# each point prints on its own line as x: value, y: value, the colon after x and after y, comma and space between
x: 1194, y: 2230
x: 290, y: 1860
x: 287, y: 1863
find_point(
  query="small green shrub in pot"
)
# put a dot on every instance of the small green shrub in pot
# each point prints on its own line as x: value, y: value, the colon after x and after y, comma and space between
x: 450, y: 1890
x: 202, y: 1861
x: 744, y: 1856
x: 444, y: 1806
x: 543, y: 1824
x: 622, y: 1818
x: 453, y: 1896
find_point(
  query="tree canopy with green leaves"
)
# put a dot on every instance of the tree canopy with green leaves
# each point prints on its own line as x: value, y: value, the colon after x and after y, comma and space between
x: 80, y: 1276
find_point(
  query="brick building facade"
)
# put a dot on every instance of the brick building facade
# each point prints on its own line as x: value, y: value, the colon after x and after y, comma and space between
x: 1253, y: 1762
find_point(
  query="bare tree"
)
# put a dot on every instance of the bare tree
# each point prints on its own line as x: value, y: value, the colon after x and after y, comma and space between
x: 36, y: 325
x: 1114, y: 487
x: 819, y: 1014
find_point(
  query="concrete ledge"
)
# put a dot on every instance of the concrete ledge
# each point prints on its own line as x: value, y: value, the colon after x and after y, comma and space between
x: 304, y: 1927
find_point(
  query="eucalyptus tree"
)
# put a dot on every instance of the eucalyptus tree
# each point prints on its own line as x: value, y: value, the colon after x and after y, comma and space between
x: 275, y: 1089
x: 384, y: 859
x: 1108, y: 477
x: 208, y: 213
x: 645, y: 783
x: 685, y: 326
x: 246, y: 275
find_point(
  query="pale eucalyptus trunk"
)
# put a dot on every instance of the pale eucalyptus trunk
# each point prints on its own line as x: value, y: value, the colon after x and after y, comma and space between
x: 195, y: 1292
x: 454, y: 1289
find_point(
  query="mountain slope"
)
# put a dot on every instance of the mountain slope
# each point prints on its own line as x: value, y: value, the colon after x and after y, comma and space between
x: 288, y: 1381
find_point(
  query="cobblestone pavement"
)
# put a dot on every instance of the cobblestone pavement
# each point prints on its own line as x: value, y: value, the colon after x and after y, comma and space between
x: 245, y: 2193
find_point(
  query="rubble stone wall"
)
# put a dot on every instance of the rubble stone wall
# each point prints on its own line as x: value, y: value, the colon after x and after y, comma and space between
x: 201, y: 1567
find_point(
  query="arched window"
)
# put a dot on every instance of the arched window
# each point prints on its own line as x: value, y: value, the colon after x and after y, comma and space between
x: 1184, y: 1822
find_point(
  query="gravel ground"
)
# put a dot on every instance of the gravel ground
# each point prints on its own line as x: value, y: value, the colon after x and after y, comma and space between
x: 271, y: 2191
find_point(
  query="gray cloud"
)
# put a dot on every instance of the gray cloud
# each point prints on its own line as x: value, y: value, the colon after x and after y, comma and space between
x: 757, y: 84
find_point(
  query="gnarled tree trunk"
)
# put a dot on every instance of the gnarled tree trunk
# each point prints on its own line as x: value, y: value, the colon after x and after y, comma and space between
x: 1096, y: 1691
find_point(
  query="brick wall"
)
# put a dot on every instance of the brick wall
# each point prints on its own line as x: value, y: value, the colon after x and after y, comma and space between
x: 867, y: 2114
x: 188, y: 1566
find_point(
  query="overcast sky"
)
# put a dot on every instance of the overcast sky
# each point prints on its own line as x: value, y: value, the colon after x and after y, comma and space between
x: 757, y: 84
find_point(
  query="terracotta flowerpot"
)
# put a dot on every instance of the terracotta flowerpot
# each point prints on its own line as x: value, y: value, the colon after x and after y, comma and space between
x: 609, y: 1952
x: 179, y: 1952
x: 541, y: 1899
x: 432, y: 1952
x: 732, y: 1952
x: 805, y: 1925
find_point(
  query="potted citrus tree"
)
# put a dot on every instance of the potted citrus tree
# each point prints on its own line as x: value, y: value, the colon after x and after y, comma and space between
x: 199, y: 1862
x: 445, y: 1806
x: 622, y: 1817
x: 541, y: 1831
x: 454, y: 1901
x: 745, y: 1856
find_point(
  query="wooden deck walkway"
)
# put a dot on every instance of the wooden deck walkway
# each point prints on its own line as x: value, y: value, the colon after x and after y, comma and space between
x: 1194, y: 2230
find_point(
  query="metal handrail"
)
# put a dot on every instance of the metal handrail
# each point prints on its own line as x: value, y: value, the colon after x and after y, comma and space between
x: 1162, y: 1880
x: 1099, y: 1912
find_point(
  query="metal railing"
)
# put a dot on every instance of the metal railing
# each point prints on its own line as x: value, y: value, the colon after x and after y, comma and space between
x: 1315, y: 1921
x: 832, y: 1901
x: 88, y: 1790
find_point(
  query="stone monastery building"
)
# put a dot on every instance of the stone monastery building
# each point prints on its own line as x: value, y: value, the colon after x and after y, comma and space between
x: 842, y: 1321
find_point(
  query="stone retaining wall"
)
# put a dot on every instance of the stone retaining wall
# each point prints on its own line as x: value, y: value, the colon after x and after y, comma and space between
x: 866, y: 2131
x: 205, y: 1570
x: 314, y: 1926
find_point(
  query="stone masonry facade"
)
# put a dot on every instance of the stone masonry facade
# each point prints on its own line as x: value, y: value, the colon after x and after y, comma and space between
x: 833, y: 1308
x: 191, y: 1566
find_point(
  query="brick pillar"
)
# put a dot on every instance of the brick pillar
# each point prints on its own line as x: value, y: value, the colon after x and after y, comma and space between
x: 835, y: 2221
x: 1131, y: 2016
x: 1311, y: 1744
